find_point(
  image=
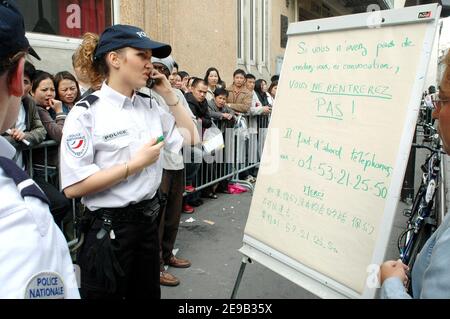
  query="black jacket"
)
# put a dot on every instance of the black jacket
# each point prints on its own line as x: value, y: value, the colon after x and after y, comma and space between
x: 200, y: 110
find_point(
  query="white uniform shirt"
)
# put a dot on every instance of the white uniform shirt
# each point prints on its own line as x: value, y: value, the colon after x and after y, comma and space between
x: 108, y: 133
x: 173, y: 161
x: 30, y: 242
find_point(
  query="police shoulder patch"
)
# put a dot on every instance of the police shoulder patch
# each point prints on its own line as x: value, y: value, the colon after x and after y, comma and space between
x: 45, y: 285
x: 77, y: 144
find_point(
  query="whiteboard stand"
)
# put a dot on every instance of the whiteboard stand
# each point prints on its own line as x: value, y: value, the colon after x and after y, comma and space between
x: 265, y: 247
x: 245, y: 260
x: 289, y: 269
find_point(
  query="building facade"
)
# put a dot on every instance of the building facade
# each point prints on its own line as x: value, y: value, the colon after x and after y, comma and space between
x: 226, y: 34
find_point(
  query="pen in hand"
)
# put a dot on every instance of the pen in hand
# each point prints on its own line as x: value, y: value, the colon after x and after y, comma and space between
x: 24, y: 141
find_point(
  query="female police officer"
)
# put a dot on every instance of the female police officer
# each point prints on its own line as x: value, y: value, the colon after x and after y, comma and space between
x: 34, y: 257
x: 110, y: 158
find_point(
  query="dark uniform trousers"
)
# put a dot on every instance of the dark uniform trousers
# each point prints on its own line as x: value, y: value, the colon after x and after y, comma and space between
x: 172, y: 187
x: 125, y: 265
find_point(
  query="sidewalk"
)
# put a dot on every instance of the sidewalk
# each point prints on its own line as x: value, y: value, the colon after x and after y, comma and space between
x: 213, y: 251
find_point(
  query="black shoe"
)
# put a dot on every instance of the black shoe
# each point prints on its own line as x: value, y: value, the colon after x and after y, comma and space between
x: 196, y: 203
x: 209, y: 195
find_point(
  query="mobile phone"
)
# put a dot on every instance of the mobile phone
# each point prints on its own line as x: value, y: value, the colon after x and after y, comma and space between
x: 151, y: 82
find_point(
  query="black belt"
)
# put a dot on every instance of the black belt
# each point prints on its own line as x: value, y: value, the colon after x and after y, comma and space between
x: 144, y: 211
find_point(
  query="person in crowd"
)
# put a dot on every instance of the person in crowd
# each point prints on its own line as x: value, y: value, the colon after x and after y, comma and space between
x: 239, y: 98
x: 430, y: 274
x: 88, y: 80
x: 212, y: 79
x: 176, y: 67
x: 198, y: 104
x: 428, y: 98
x: 184, y: 79
x: 45, y: 164
x: 32, y: 245
x: 67, y: 90
x: 256, y: 110
x: 111, y: 159
x: 274, y: 78
x: 250, y: 81
x: 218, y: 108
x: 272, y: 92
x: 50, y: 111
x: 172, y: 76
x: 172, y: 186
x: 225, y: 118
x: 261, y: 93
x: 178, y: 82
x: 199, y: 107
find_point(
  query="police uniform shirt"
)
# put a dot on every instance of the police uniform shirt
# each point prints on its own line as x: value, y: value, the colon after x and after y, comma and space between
x: 110, y: 132
x: 32, y: 245
x: 172, y: 161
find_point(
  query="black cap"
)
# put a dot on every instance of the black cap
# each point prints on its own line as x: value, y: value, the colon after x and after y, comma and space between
x: 12, y: 31
x: 120, y: 36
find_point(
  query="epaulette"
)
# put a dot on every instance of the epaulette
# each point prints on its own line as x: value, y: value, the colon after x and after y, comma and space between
x: 88, y: 101
x: 146, y: 96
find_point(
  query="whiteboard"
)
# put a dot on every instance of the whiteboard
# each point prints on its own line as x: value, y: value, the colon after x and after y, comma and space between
x: 337, y: 148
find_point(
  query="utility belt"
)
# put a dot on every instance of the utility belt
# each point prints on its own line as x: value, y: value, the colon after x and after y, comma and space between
x: 145, y: 211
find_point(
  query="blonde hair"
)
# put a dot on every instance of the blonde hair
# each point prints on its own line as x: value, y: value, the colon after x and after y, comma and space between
x: 84, y: 59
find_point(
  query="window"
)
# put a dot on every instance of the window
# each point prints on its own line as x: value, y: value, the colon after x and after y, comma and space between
x: 252, y: 33
x: 283, y: 30
x: 264, y: 32
x: 70, y: 18
x: 240, y: 30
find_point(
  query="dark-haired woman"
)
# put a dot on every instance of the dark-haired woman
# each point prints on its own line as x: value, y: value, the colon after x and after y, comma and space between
x: 67, y: 90
x: 212, y: 80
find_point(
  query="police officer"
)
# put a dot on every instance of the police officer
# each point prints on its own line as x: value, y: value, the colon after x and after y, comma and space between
x: 110, y: 156
x: 34, y: 257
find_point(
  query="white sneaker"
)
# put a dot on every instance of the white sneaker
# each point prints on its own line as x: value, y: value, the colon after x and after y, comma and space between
x: 250, y: 179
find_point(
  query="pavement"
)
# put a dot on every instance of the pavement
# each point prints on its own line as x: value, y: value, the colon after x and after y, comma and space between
x: 210, y: 239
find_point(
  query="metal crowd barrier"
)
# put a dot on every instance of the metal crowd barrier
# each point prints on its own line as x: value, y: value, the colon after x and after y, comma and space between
x: 242, y: 152
x: 51, y: 173
x: 244, y: 144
